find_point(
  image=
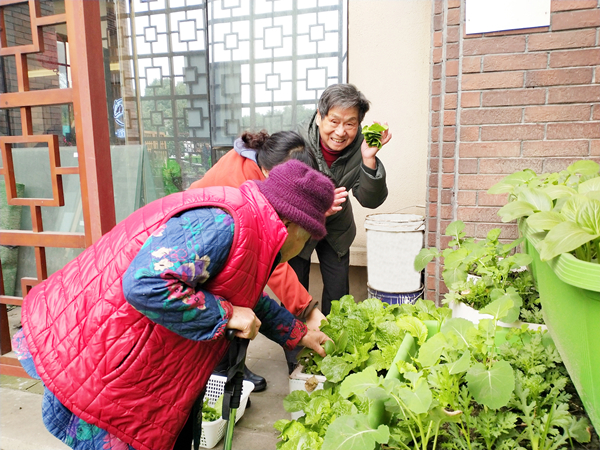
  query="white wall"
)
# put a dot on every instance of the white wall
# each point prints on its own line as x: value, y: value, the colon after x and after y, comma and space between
x: 389, y: 61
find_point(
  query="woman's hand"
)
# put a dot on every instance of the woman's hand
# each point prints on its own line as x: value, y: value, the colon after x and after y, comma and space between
x: 314, y: 318
x: 339, y: 197
x: 245, y: 321
x: 314, y: 340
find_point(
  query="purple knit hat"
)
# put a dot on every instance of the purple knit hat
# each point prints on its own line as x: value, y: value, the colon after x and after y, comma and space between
x: 300, y: 194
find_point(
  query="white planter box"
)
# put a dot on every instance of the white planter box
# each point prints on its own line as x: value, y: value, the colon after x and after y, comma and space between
x: 463, y: 311
x: 300, y: 381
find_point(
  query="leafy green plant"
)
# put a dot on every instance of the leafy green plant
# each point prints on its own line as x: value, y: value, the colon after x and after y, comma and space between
x: 212, y: 413
x: 565, y: 206
x: 465, y: 389
x: 365, y: 334
x: 477, y: 272
x: 372, y: 134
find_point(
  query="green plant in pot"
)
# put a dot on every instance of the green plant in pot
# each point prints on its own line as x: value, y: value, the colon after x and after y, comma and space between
x: 559, y: 215
x: 478, y: 272
x: 565, y: 206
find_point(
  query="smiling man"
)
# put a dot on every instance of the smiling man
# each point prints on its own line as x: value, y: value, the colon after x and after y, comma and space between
x: 334, y: 136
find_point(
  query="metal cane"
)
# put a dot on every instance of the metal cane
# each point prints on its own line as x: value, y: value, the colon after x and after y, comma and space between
x: 232, y: 392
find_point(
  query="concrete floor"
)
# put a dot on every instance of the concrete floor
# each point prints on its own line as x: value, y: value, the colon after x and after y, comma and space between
x: 21, y: 426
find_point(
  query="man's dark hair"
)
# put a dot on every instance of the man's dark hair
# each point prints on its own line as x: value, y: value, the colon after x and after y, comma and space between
x: 343, y: 96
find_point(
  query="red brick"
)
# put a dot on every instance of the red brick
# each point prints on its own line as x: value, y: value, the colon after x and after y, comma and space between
x: 450, y: 101
x: 572, y: 58
x: 435, y: 134
x: 447, y: 212
x: 468, y: 165
x: 491, y: 115
x: 452, y: 51
x: 508, y: 230
x: 435, y: 102
x: 438, y: 39
x: 453, y: 4
x: 468, y: 198
x: 549, y: 149
x: 451, y: 84
x: 596, y: 113
x: 563, y: 113
x: 575, y: 20
x: 432, y: 224
x: 503, y: 63
x: 436, y: 87
x: 452, y: 68
x: 470, y: 99
x: 450, y: 117
x: 485, y: 199
x: 574, y: 94
x: 471, y: 64
x: 514, y: 97
x: 433, y: 180
x: 438, y: 7
x: 449, y: 134
x: 434, y: 165
x: 448, y: 165
x: 512, y: 132
x: 435, y: 119
x: 558, y: 164
x: 471, y: 182
x: 447, y: 196
x: 556, y: 77
x: 508, y: 165
x: 453, y: 34
x: 469, y: 134
x: 438, y: 22
x: 449, y: 150
x: 562, y: 39
x: 447, y: 181
x: 487, y: 46
x: 489, y: 149
x: 434, y: 150
x: 565, y: 5
x: 496, y: 80
x: 453, y: 17
x: 437, y: 55
x: 432, y: 240
x: 478, y: 214
x: 573, y: 130
x: 595, y: 148
x: 436, y: 71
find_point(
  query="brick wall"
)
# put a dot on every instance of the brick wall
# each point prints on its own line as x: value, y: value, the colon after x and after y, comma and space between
x: 502, y: 102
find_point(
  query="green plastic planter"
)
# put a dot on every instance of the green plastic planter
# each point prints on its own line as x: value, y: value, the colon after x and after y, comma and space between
x: 570, y: 295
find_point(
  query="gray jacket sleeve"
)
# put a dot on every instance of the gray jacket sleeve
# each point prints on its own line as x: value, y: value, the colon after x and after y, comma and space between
x: 371, y: 191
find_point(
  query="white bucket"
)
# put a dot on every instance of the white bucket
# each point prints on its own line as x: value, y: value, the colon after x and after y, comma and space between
x: 393, y: 242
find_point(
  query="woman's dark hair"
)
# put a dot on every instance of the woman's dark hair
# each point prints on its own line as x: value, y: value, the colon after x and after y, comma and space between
x: 278, y: 148
x: 343, y: 96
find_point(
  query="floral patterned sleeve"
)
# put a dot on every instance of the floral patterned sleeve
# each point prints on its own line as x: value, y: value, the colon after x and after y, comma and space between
x: 164, y: 281
x: 278, y: 324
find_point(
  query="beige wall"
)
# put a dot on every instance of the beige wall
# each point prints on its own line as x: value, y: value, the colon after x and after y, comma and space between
x: 389, y: 60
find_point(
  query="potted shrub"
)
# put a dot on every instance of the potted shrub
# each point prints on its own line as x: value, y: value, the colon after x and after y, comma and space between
x: 463, y: 387
x: 559, y: 216
x: 477, y: 272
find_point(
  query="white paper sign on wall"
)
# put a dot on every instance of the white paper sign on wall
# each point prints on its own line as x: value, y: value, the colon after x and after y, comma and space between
x: 487, y: 16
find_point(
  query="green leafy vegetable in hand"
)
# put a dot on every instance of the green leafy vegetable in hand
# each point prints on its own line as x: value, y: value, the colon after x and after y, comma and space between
x: 372, y: 134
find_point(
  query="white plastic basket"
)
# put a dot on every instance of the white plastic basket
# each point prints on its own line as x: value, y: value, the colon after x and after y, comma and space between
x: 212, y: 432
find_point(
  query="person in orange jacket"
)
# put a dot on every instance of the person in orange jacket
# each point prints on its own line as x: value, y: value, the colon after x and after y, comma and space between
x: 252, y: 158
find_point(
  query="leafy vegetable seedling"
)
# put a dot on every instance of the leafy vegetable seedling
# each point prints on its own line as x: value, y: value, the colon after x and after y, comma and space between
x: 372, y: 134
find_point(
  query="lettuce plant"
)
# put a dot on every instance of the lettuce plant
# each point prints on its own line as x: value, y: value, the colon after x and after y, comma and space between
x: 565, y: 206
x: 477, y: 272
x: 463, y: 390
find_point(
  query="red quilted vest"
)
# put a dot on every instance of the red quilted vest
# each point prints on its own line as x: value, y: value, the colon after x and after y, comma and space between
x: 110, y: 364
